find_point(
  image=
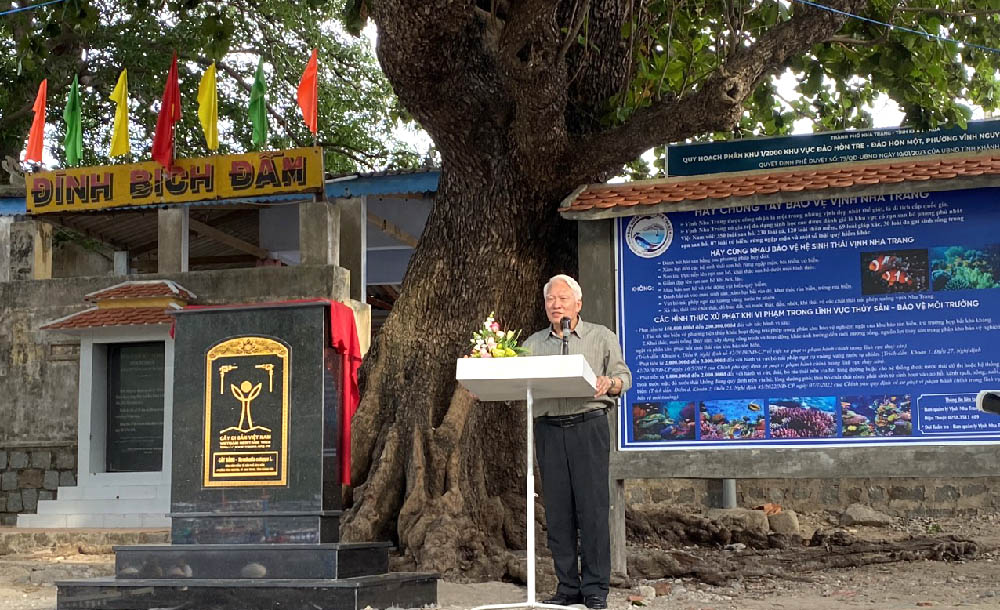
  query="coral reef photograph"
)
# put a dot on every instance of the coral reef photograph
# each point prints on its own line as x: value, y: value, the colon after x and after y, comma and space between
x: 669, y: 421
x: 805, y: 417
x: 889, y: 414
x: 962, y: 268
x: 893, y: 271
x: 856, y: 417
x: 726, y: 420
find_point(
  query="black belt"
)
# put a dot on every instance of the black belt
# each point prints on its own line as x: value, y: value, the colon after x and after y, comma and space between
x: 565, y: 421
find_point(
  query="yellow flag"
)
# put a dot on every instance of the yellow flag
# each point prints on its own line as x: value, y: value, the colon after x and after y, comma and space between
x: 119, y: 134
x: 208, y: 108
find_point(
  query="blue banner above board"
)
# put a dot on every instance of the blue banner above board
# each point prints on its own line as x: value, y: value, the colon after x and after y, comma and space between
x: 784, y: 152
x: 843, y: 322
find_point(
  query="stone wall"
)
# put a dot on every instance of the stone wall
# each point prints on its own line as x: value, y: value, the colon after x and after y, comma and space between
x: 32, y: 473
x: 895, y: 496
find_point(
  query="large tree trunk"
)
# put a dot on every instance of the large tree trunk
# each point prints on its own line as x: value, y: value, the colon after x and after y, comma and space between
x: 516, y: 106
x: 450, y: 468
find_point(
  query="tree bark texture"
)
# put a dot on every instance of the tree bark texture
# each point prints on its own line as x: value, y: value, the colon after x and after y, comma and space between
x: 513, y: 103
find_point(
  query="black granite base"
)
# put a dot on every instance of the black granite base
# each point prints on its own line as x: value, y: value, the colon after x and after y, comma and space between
x: 252, y: 561
x: 321, y: 527
x: 396, y: 590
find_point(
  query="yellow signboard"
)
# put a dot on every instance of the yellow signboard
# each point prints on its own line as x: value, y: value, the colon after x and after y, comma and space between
x: 221, y: 177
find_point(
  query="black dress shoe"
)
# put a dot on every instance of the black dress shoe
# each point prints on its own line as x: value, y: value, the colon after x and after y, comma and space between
x: 595, y: 602
x: 562, y: 599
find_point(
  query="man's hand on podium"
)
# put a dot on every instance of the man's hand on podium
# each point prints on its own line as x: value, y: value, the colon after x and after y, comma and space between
x: 604, y: 385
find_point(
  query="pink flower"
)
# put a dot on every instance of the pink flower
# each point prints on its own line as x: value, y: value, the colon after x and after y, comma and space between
x: 495, y: 327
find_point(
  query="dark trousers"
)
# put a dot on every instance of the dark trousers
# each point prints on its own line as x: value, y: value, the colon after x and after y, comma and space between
x: 574, y: 465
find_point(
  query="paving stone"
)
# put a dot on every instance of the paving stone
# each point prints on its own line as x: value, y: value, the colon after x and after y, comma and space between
x: 67, y: 479
x: 3, y: 460
x: 14, y: 504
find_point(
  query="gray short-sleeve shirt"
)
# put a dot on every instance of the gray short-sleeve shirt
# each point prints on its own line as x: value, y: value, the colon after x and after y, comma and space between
x: 600, y: 347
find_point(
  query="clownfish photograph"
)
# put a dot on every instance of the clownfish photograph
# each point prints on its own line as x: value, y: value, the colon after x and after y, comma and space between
x: 883, y: 263
x: 896, y: 276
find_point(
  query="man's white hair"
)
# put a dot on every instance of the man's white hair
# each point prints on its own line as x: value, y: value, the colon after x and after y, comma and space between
x: 562, y: 277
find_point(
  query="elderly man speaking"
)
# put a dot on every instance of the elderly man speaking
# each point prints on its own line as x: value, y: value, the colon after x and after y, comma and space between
x: 572, y: 443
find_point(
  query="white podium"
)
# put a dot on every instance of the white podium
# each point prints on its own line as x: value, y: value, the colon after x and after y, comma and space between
x: 527, y: 377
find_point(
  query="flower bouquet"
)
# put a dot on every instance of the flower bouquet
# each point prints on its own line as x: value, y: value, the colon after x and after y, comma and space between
x: 492, y: 342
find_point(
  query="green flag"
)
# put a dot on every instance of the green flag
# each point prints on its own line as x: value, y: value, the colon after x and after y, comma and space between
x: 258, y: 107
x: 74, y: 125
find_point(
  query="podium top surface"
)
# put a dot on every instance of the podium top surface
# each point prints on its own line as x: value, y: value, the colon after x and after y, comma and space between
x: 500, y: 379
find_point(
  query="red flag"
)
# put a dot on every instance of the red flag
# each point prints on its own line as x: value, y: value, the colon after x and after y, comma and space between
x: 37, y: 133
x: 170, y: 113
x: 307, y: 95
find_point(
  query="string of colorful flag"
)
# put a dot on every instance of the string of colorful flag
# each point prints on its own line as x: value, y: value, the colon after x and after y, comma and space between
x: 170, y: 113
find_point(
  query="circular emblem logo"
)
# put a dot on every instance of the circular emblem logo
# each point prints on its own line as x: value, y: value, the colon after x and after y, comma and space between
x: 649, y: 236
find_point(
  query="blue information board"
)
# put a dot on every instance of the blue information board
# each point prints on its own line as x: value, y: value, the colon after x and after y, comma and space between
x: 832, y: 147
x: 852, y: 321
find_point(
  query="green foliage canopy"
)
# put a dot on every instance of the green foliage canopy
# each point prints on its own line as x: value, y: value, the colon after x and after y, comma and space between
x: 934, y: 81
x: 96, y: 39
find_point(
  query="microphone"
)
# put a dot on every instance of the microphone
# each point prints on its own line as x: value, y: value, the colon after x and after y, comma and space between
x: 564, y: 323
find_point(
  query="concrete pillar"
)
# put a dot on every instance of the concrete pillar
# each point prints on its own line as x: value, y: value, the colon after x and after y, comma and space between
x: 319, y: 233
x: 5, y: 222
x: 42, y: 242
x: 722, y: 493
x: 172, y: 240
x: 121, y: 262
x: 596, y: 247
x: 354, y: 242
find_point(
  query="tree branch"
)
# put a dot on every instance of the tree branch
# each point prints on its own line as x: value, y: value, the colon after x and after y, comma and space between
x: 719, y: 101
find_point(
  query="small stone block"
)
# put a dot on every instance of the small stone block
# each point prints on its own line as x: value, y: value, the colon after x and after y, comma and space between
x: 8, y: 520
x: 67, y: 479
x: 29, y: 499
x: 18, y: 459
x: 3, y: 460
x: 14, y: 504
x: 51, y: 480
x: 30, y: 479
x: 41, y: 459
x: 66, y: 460
x: 3, y: 504
x: 46, y: 495
x: 8, y: 481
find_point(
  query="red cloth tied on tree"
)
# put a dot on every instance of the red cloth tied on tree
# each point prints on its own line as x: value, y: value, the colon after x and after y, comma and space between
x: 344, y: 337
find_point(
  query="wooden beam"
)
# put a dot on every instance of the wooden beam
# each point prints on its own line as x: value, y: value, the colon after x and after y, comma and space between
x: 392, y: 230
x: 66, y: 223
x: 233, y: 242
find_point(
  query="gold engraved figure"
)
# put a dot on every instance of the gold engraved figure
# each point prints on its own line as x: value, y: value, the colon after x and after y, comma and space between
x: 270, y: 375
x: 225, y: 368
x: 246, y: 394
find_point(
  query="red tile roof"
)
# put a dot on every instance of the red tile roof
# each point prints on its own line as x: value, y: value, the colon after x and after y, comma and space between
x: 142, y: 290
x: 116, y: 316
x: 928, y: 173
